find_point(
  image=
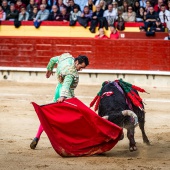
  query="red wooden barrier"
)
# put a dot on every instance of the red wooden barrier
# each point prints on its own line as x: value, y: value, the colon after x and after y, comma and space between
x: 103, y: 54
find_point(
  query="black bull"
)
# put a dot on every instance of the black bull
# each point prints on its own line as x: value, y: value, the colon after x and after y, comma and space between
x: 113, y: 105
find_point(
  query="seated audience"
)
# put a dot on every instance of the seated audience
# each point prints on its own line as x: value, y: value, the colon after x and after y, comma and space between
x: 12, y: 14
x: 63, y: 16
x: 141, y: 15
x: 44, y: 2
x: 33, y: 14
x: 85, y: 17
x: 23, y: 15
x: 110, y: 15
x: 114, y: 34
x: 157, y: 7
x: 157, y: 27
x: 150, y: 18
x: 74, y: 14
x: 123, y: 8
x: 97, y: 18
x: 102, y: 4
x: 30, y: 6
x: 129, y: 16
x: 101, y: 34
x: 71, y: 6
x: 168, y: 37
x: 148, y: 5
x: 91, y: 5
x: 164, y: 14
x: 42, y: 15
x: 142, y: 3
x: 5, y: 6
x: 136, y: 6
x: 61, y: 5
x: 115, y: 7
x: 2, y: 14
x: 19, y: 5
x: 54, y: 14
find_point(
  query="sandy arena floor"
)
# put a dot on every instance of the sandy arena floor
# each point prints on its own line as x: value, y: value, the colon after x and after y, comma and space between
x: 18, y: 125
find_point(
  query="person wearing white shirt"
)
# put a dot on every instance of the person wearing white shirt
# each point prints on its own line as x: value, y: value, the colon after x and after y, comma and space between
x: 110, y: 14
x: 143, y: 3
x: 164, y: 14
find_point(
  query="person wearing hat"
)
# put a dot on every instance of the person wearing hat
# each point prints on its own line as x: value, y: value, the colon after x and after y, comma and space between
x: 168, y: 37
x: 68, y: 78
x: 157, y: 27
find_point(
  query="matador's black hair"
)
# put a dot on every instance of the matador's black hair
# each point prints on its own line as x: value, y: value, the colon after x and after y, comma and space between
x: 82, y: 59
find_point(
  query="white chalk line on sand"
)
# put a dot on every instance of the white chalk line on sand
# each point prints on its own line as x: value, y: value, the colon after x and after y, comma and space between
x: 3, y: 95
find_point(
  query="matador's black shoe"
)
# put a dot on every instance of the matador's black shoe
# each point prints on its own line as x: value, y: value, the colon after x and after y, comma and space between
x: 34, y: 143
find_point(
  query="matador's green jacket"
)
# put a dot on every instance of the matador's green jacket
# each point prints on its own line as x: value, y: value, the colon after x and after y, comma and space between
x: 66, y: 73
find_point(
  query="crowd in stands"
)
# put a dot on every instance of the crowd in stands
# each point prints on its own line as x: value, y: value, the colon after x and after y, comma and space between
x: 155, y: 14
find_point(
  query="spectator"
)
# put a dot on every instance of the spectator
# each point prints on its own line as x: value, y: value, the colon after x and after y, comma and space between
x: 119, y: 2
x: 12, y: 14
x: 102, y: 4
x: 157, y: 27
x: 71, y: 6
x: 150, y: 18
x: 129, y: 16
x: 168, y: 37
x: 2, y: 14
x: 50, y: 3
x: 148, y: 5
x: 124, y: 7
x: 44, y: 2
x: 85, y: 17
x: 97, y: 17
x: 63, y: 16
x: 168, y: 8
x: 140, y: 15
x: 136, y: 6
x: 142, y: 3
x: 101, y: 34
x: 115, y: 7
x: 61, y: 5
x: 91, y: 5
x: 54, y: 14
x: 43, y: 14
x: 33, y: 14
x: 157, y: 7
x: 164, y: 14
x: 5, y: 6
x: 114, y: 34
x: 19, y: 5
x: 110, y: 15
x: 23, y: 15
x: 74, y: 14
x: 30, y: 6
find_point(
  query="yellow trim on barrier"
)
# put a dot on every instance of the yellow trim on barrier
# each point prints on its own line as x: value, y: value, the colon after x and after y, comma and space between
x: 53, y: 31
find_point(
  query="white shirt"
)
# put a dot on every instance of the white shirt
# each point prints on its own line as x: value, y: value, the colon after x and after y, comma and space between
x: 167, y: 16
x: 110, y: 16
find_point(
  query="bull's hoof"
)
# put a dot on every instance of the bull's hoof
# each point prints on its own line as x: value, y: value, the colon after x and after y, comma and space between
x: 132, y: 148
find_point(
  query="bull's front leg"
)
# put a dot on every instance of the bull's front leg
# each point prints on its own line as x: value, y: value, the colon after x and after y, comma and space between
x: 130, y: 135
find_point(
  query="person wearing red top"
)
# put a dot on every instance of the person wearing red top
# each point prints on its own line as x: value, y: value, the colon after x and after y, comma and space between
x: 114, y: 34
x: 101, y: 34
x: 19, y: 5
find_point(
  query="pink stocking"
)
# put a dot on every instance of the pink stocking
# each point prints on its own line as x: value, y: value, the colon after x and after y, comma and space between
x: 40, y: 130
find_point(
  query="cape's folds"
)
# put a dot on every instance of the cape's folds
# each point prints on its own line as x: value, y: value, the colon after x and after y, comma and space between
x: 75, y: 130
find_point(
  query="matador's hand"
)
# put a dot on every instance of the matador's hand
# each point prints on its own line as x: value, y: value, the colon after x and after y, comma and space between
x: 61, y: 99
x: 49, y: 73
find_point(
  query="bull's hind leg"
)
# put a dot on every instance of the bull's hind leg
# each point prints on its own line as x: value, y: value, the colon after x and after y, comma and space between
x: 145, y: 138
